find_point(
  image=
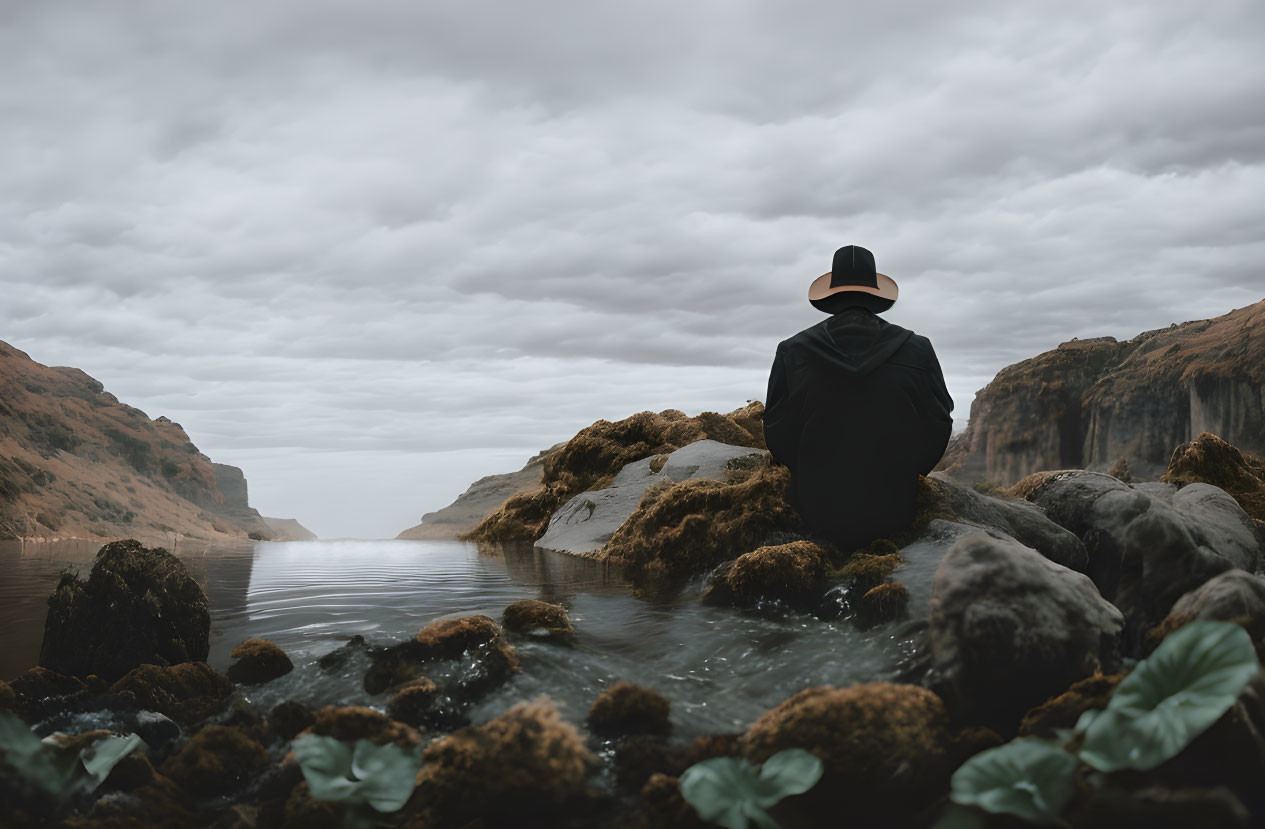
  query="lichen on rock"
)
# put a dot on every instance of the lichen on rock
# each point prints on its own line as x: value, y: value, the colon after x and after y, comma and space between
x: 1209, y: 459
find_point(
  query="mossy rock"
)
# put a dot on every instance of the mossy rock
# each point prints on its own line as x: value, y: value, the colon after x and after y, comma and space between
x: 258, y: 661
x: 545, y: 620
x: 1211, y: 460
x: 793, y: 573
x: 218, y: 761
x: 353, y: 722
x: 625, y: 709
x: 882, y: 603
x: 1064, y: 710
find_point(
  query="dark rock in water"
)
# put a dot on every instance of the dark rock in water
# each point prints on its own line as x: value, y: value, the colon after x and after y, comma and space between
x: 339, y: 657
x: 218, y: 761
x: 353, y: 722
x: 115, y: 713
x: 793, y: 573
x: 532, y: 617
x: 38, y: 683
x: 528, y: 761
x: 625, y: 709
x: 421, y: 705
x: 8, y: 697
x: 882, y: 603
x: 883, y: 746
x: 139, y: 606
x: 289, y: 718
x: 258, y: 661
x: 1147, y: 546
x: 303, y: 811
x: 1065, y: 710
x: 188, y: 693
x: 492, y: 659
x: 1009, y: 628
x: 1233, y: 596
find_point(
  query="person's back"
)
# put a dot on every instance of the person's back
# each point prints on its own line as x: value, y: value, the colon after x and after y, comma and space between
x: 856, y: 408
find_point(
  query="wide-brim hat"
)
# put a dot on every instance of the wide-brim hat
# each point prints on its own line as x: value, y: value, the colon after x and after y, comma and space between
x: 853, y: 277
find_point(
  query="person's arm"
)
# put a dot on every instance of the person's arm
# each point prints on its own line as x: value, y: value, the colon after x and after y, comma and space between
x: 937, y: 409
x: 779, y: 432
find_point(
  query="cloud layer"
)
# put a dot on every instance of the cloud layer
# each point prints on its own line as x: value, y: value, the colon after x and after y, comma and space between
x: 374, y: 251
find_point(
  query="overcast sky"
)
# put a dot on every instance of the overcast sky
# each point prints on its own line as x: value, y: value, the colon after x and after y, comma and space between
x: 372, y: 251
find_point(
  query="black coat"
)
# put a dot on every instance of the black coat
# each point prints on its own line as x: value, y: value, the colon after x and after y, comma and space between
x: 857, y: 409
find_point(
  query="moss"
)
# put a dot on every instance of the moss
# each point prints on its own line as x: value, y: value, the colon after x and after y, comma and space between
x: 218, y: 761
x: 883, y: 603
x: 1027, y: 488
x: 353, y: 722
x: 258, y: 661
x: 8, y: 697
x: 1064, y: 710
x: 1120, y: 470
x: 523, y: 517
x: 303, y: 811
x: 415, y: 703
x: 532, y: 617
x: 40, y: 683
x: 691, y: 526
x: 864, y: 571
x: 662, y: 794
x: 289, y: 718
x: 624, y: 709
x: 187, y: 692
x: 528, y: 761
x: 1209, y: 459
x: 794, y: 573
x: 883, y: 748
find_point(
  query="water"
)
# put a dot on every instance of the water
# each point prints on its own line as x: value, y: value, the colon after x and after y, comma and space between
x: 720, y: 667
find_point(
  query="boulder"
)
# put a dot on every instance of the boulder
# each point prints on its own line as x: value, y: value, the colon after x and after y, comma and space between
x: 1209, y: 459
x: 38, y: 683
x: 353, y: 722
x: 1147, y: 547
x: 625, y: 709
x: 258, y: 661
x: 1233, y: 596
x: 8, y: 697
x: 477, y: 640
x: 139, y: 606
x: 289, y: 718
x: 537, y: 619
x: 883, y: 747
x: 793, y: 574
x: 419, y: 704
x: 587, y: 521
x: 218, y: 761
x: 1009, y: 628
x: 527, y: 761
x: 188, y: 693
x: 883, y: 603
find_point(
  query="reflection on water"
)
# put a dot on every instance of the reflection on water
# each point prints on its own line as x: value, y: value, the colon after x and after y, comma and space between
x: 720, y: 667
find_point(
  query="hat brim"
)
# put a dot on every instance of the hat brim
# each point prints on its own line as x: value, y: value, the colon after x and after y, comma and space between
x: 820, y: 289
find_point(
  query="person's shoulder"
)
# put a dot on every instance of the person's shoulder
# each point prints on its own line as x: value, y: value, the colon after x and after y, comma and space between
x: 810, y: 334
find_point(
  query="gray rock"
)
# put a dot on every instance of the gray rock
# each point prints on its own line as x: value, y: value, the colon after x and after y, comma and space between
x: 1235, y: 595
x: 922, y: 560
x: 1009, y: 628
x: 1148, y: 546
x: 586, y: 522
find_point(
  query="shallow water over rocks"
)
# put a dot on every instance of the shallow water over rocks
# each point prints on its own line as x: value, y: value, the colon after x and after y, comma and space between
x: 720, y: 667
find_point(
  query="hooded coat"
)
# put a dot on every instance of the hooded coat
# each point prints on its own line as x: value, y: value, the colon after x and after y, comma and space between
x: 857, y: 409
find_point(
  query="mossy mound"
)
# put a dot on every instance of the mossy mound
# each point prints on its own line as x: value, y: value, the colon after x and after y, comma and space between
x: 258, y: 661
x: 1065, y: 709
x: 882, y: 603
x: 219, y: 760
x: 526, y: 762
x: 353, y: 722
x: 625, y: 709
x: 1209, y: 459
x: 139, y: 606
x: 38, y: 683
x: 599, y: 451
x: 415, y: 704
x: 8, y: 697
x: 289, y: 718
x: 865, y: 571
x: 188, y: 693
x: 478, y: 637
x: 793, y: 573
x: 883, y: 746
x: 532, y: 617
x: 686, y: 528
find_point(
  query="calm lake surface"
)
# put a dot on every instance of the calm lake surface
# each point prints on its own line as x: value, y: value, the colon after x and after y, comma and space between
x: 720, y: 667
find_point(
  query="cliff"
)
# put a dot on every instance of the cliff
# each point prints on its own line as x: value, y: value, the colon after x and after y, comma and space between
x: 1089, y: 403
x: 74, y: 461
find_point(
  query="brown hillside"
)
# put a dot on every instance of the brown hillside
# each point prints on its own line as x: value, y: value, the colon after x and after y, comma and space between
x: 1089, y: 403
x: 74, y: 461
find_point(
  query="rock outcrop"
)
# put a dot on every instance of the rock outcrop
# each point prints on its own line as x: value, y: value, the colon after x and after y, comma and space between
x: 287, y: 529
x: 139, y: 606
x: 1089, y: 403
x: 74, y: 461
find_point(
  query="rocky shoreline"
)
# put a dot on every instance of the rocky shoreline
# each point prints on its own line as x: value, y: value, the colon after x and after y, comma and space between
x: 1030, y: 607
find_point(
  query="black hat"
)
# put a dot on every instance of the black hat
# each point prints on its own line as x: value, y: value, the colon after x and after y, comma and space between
x: 853, y: 280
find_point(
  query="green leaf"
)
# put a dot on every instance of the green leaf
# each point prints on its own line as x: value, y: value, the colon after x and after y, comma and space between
x: 793, y: 771
x: 388, y: 773
x: 1171, y: 697
x: 104, y: 754
x: 326, y: 765
x: 730, y: 792
x: 959, y: 817
x: 1029, y: 778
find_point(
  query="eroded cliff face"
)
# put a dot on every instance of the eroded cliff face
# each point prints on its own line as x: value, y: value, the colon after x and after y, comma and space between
x: 74, y: 461
x: 1089, y: 403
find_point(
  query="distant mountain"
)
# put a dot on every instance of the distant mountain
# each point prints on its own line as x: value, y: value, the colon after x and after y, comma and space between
x: 288, y: 529
x: 74, y: 461
x: 1089, y: 403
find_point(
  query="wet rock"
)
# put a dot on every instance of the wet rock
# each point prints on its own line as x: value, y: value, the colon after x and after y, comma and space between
x: 793, y: 573
x: 218, y: 761
x: 1009, y: 628
x: 1064, y: 710
x: 130, y: 773
x: 352, y: 722
x: 883, y: 603
x: 1233, y: 596
x: 421, y: 705
x: 8, y: 697
x: 258, y: 661
x: 38, y: 683
x: 160, y: 803
x: 528, y: 761
x: 883, y: 746
x: 336, y: 659
x: 625, y: 709
x: 1146, y: 550
x: 531, y: 617
x: 588, y: 520
x: 188, y: 693
x: 303, y: 811
x: 139, y: 606
x: 639, y: 757
x: 476, y: 638
x: 289, y: 718
x: 1209, y: 459
x: 667, y: 807
x: 687, y: 528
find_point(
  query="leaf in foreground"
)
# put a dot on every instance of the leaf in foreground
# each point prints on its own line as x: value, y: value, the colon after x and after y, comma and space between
x: 728, y: 791
x: 1028, y: 778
